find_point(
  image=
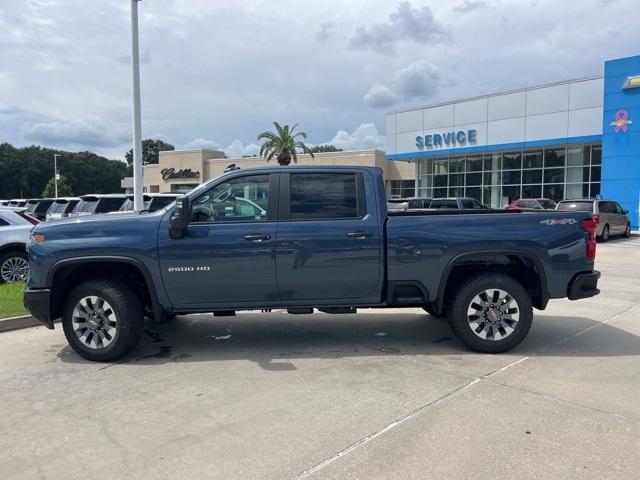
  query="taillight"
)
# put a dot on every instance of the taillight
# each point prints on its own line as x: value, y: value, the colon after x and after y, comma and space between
x: 589, y: 226
x: 29, y: 218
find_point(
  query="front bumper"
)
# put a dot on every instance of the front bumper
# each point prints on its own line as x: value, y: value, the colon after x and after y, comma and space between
x: 584, y: 285
x: 38, y: 302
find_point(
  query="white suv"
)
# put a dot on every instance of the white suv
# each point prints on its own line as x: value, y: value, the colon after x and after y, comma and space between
x: 15, y: 227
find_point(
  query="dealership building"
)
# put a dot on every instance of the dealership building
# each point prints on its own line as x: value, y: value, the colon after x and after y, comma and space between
x: 578, y: 138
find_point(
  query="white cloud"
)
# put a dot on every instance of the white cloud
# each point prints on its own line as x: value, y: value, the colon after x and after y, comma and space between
x: 202, y: 143
x: 419, y: 80
x: 237, y: 149
x: 364, y: 137
x: 85, y: 132
x: 325, y: 31
x: 469, y: 5
x: 406, y: 23
x: 379, y: 96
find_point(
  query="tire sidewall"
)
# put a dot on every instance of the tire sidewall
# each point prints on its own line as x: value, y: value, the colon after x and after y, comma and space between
x: 127, y: 310
x: 462, y: 299
x: 605, y: 234
x: 627, y: 232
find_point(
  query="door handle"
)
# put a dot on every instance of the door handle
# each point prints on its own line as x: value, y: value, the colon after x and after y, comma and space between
x: 257, y: 237
x: 359, y: 234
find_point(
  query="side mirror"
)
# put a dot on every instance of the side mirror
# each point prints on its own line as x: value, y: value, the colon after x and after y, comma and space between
x: 625, y: 211
x: 180, y: 218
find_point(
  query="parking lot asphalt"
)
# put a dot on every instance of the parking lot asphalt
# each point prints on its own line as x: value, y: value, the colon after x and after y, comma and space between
x: 377, y: 395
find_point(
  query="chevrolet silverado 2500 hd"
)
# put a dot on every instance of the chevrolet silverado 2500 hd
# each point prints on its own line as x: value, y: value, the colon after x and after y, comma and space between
x: 304, y: 238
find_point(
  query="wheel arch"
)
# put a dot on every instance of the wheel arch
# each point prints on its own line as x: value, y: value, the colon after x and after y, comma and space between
x: 13, y: 246
x: 523, y: 266
x: 66, y: 274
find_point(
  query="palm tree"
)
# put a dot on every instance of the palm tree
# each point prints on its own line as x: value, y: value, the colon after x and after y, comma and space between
x: 283, y: 144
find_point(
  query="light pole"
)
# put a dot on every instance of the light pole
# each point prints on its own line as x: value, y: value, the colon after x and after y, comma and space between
x: 55, y: 172
x: 138, y: 204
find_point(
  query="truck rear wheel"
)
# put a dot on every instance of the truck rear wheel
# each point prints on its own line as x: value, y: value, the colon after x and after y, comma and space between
x: 490, y: 313
x: 102, y: 319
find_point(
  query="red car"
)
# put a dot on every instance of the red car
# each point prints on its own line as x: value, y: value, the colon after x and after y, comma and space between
x: 532, y: 204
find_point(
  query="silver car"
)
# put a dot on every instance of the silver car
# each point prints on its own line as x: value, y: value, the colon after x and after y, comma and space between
x: 612, y: 218
x: 15, y: 227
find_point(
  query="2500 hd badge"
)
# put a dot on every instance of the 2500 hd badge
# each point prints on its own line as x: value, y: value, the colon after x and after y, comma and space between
x: 189, y: 269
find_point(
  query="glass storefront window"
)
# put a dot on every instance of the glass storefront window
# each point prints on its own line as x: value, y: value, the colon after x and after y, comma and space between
x: 492, y: 161
x: 494, y: 178
x: 531, y: 176
x: 456, y: 164
x: 512, y: 177
x: 532, y: 159
x: 512, y: 160
x: 474, y: 163
x: 554, y: 157
x: 531, y: 191
x: 554, y: 175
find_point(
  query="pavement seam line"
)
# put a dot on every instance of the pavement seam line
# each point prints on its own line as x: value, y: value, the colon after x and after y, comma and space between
x: 376, y: 434
x: 561, y: 400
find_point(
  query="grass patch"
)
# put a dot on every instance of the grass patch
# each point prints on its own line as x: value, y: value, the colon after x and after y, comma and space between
x: 11, y: 295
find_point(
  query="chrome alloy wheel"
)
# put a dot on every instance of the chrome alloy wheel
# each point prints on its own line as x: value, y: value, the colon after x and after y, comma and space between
x: 14, y: 269
x: 94, y: 322
x: 493, y: 314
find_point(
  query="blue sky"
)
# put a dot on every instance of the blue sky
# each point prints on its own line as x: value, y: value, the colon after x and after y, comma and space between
x: 215, y: 73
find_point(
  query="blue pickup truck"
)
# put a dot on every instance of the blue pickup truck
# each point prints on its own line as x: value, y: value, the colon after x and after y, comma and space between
x: 304, y: 238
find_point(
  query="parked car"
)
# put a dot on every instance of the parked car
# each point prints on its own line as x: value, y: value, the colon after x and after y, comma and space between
x: 457, y: 203
x: 612, y: 218
x: 102, y: 203
x: 410, y: 203
x: 152, y: 201
x: 38, y: 207
x: 61, y: 208
x: 532, y: 204
x: 17, y: 202
x: 337, y: 248
x: 15, y: 226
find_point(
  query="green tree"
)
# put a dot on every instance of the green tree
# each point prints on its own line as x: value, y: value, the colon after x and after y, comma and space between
x: 283, y: 144
x: 325, y: 148
x: 150, y: 151
x: 64, y: 190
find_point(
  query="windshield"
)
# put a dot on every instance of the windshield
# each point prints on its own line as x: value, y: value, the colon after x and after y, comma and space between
x: 586, y: 206
x: 85, y: 206
x: 547, y: 204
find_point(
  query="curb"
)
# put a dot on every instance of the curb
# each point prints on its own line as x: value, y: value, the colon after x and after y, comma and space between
x: 17, y: 323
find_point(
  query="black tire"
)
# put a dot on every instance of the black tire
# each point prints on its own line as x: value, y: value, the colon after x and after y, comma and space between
x: 462, y: 300
x: 7, y: 257
x: 627, y: 232
x: 127, y: 310
x: 604, y: 238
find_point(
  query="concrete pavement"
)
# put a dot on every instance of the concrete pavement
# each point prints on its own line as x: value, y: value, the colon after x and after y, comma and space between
x: 381, y: 394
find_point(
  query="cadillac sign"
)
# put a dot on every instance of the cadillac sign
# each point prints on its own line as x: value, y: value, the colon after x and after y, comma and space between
x: 184, y: 174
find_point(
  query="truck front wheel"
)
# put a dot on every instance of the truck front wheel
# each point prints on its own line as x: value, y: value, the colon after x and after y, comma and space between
x: 490, y: 313
x: 102, y: 319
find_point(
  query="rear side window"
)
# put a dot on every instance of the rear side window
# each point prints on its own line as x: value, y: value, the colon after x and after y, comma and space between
x: 575, y: 206
x: 323, y: 196
x: 109, y: 205
x: 84, y: 206
x: 444, y: 204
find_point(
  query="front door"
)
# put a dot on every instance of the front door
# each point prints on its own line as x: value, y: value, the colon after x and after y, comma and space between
x: 329, y: 246
x: 227, y: 256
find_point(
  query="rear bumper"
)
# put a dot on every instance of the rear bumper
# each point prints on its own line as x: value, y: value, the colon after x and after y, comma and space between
x: 584, y: 285
x: 38, y: 302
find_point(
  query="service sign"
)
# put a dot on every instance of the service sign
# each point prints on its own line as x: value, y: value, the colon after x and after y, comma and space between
x: 460, y: 138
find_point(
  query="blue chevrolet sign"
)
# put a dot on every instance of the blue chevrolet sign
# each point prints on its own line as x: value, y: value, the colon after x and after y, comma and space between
x: 449, y: 139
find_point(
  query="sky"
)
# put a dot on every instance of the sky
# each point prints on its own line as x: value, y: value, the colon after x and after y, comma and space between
x: 214, y: 74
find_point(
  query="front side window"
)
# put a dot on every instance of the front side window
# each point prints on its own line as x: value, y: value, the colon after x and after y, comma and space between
x: 242, y: 199
x: 323, y: 196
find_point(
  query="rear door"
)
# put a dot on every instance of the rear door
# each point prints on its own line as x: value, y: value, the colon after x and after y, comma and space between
x: 329, y: 241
